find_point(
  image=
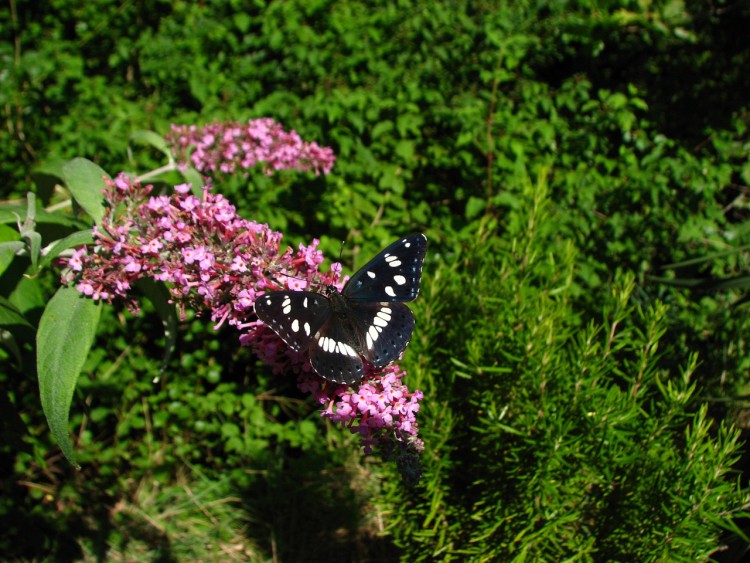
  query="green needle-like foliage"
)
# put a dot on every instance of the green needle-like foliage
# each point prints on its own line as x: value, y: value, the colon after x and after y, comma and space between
x: 558, y: 439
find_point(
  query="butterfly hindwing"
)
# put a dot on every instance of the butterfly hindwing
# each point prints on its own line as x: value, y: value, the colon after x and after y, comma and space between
x: 294, y: 315
x: 335, y: 352
x: 393, y: 275
x: 386, y: 330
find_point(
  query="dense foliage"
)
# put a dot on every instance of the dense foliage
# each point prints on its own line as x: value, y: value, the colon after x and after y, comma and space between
x: 575, y: 165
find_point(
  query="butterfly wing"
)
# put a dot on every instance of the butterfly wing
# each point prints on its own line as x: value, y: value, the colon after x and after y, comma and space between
x: 377, y: 332
x: 393, y: 275
x: 384, y: 330
x: 335, y: 352
x: 296, y: 316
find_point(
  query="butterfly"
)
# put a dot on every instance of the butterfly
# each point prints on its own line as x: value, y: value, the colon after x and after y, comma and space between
x: 367, y: 322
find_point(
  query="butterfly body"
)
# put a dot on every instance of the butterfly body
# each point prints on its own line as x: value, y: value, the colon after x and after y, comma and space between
x: 366, y: 322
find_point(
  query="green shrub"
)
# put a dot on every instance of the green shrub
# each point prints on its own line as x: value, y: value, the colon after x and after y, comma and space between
x: 553, y: 436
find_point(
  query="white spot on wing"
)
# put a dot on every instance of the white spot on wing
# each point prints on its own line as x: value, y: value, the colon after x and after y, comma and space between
x: 371, y: 275
x: 373, y: 333
x: 307, y: 329
x: 379, y: 321
x: 400, y: 280
x: 286, y: 305
x: 384, y: 313
x: 295, y: 325
x: 389, y: 291
x: 393, y: 261
x: 331, y: 346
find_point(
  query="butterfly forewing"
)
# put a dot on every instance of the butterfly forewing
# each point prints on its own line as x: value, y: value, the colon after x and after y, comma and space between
x: 393, y: 275
x: 296, y: 316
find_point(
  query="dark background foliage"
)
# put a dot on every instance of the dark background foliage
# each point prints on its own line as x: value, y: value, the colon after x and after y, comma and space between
x: 552, y: 151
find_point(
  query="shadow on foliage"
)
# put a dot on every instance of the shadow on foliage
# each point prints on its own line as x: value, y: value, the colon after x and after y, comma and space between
x: 306, y: 509
x: 692, y: 72
x: 40, y: 527
x: 700, y: 85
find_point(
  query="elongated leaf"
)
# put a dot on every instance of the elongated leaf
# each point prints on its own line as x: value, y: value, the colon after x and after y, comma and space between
x: 52, y: 167
x: 71, y: 241
x: 85, y: 181
x: 10, y: 315
x: 10, y: 215
x: 705, y: 284
x: 47, y: 176
x: 11, y: 320
x: 66, y: 332
x: 705, y: 258
x: 192, y: 176
x: 12, y: 246
x: 145, y: 137
x: 739, y: 282
x: 28, y: 231
x: 9, y: 245
x: 27, y: 296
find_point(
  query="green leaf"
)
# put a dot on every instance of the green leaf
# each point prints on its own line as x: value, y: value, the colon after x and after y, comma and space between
x: 10, y: 214
x: 8, y: 253
x: 28, y: 231
x: 193, y: 177
x: 52, y: 167
x: 12, y: 246
x: 242, y: 21
x: 405, y: 149
x: 10, y: 315
x: 705, y: 284
x: 66, y: 332
x: 85, y: 180
x: 10, y: 343
x: 46, y: 176
x: 739, y: 282
x: 144, y: 137
x: 381, y: 128
x: 706, y: 258
x: 71, y: 241
x: 27, y: 295
x: 474, y: 207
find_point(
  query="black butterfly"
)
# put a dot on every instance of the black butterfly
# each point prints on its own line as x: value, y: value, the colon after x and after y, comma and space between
x: 366, y: 321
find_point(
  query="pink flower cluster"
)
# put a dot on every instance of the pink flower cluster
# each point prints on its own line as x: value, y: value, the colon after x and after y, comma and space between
x: 212, y: 259
x: 382, y: 403
x: 233, y: 146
